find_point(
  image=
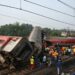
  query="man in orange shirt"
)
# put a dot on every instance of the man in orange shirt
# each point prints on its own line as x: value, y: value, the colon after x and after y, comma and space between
x: 55, y: 55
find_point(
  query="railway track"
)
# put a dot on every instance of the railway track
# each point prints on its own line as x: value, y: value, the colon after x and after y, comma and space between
x: 70, y: 66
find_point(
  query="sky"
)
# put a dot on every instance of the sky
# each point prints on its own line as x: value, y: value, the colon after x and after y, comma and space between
x: 10, y: 15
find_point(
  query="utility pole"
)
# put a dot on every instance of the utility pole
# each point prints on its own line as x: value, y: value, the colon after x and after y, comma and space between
x: 20, y: 4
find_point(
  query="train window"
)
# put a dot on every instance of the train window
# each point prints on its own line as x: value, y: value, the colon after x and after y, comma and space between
x: 1, y: 41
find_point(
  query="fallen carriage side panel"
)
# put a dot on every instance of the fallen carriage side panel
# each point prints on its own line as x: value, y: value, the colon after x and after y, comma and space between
x: 11, y: 44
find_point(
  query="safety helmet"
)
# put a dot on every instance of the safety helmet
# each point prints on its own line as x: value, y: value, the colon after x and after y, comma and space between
x: 32, y: 56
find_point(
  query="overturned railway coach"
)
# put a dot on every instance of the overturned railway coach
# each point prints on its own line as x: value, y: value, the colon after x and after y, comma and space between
x: 15, y: 48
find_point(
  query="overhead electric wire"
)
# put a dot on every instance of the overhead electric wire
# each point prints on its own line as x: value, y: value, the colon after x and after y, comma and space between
x: 38, y: 14
x: 18, y: 18
x: 66, y: 4
x: 11, y: 17
x: 49, y: 8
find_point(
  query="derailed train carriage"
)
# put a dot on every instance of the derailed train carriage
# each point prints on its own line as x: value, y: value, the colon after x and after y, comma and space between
x: 68, y: 41
x: 14, y: 49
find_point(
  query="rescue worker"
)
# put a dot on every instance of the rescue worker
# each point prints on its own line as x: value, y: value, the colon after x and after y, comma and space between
x: 32, y: 63
x: 69, y: 51
x: 49, y: 61
x: 55, y: 55
x: 44, y: 59
x: 59, y: 66
x: 47, y: 49
x: 73, y: 50
x: 64, y: 50
x: 51, y: 51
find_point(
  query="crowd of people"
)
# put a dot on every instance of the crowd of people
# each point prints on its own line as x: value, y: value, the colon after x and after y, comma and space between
x: 52, y: 56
